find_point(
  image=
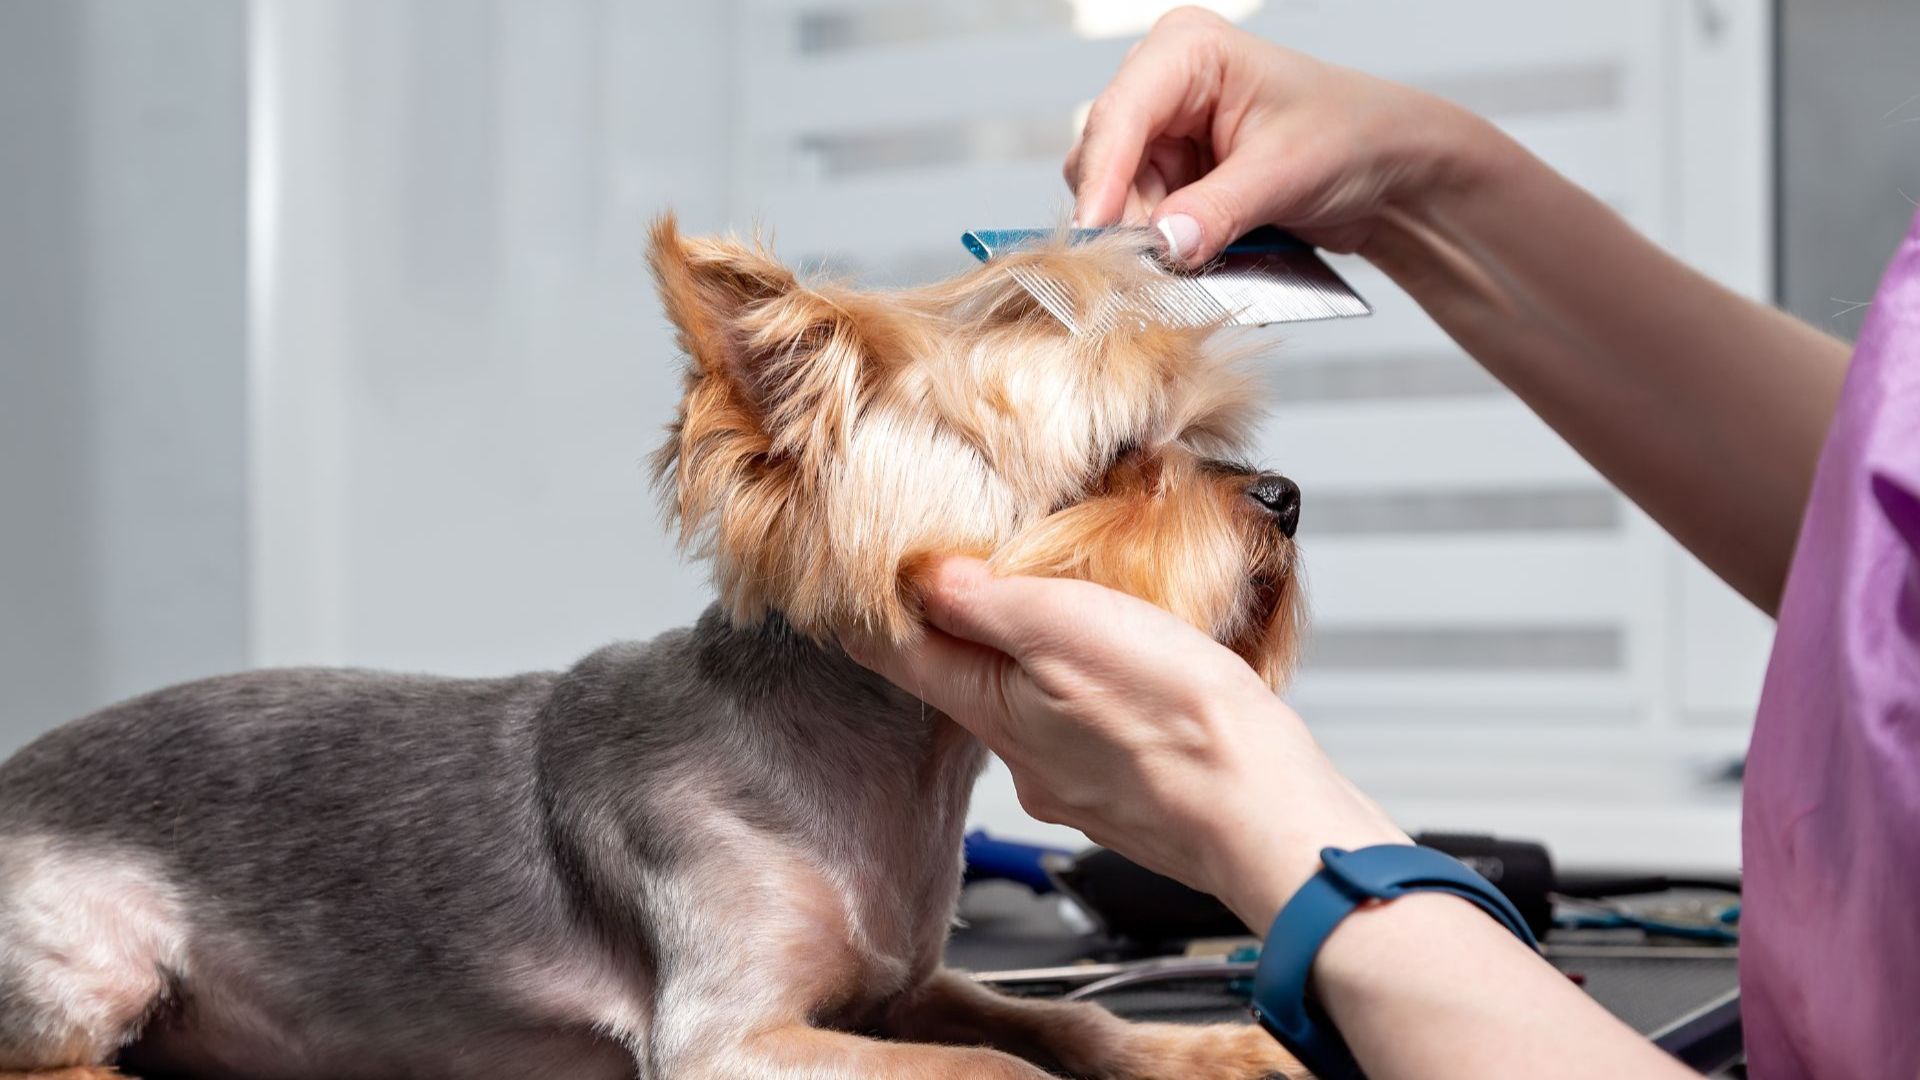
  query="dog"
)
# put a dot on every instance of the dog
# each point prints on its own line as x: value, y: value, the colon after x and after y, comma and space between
x: 729, y: 852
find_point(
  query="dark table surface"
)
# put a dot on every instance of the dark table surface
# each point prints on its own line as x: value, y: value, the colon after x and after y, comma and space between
x: 1648, y: 985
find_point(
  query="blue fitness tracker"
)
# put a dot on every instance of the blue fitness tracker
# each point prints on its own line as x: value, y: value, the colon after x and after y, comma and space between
x: 1346, y: 880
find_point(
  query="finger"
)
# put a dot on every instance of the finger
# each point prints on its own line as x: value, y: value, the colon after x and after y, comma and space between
x: 1070, y: 168
x: 1171, y: 164
x: 1148, y: 92
x: 1012, y: 615
x: 1242, y: 192
x: 960, y: 678
x: 1178, y: 161
x: 1149, y: 187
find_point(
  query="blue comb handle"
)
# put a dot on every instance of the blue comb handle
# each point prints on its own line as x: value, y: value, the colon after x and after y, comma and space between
x: 986, y: 243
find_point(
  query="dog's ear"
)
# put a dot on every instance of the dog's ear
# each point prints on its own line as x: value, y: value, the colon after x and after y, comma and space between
x: 707, y: 285
x: 788, y: 359
x: 775, y: 374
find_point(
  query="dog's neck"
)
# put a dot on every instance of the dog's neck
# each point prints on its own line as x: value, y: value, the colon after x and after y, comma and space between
x: 818, y: 711
x: 771, y: 660
x: 824, y: 756
x: 772, y: 669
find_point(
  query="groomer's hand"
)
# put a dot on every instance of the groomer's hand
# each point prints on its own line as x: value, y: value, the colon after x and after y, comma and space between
x: 1208, y: 131
x: 1127, y: 723
x: 1123, y: 720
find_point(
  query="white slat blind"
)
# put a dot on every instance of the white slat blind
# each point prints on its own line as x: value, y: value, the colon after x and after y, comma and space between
x: 1500, y: 641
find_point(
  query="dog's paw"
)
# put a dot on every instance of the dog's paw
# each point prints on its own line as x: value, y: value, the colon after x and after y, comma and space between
x: 1204, y: 1052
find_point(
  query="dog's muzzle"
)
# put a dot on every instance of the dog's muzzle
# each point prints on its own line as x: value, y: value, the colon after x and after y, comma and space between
x: 1279, y: 497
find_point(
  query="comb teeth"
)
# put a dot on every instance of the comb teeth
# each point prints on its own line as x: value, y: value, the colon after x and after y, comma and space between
x: 1240, y: 290
x: 1277, y: 287
x: 1256, y: 282
x: 1049, y: 294
x: 1187, y: 301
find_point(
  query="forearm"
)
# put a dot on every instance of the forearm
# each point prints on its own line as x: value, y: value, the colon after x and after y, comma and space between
x: 1427, y: 986
x: 1430, y: 987
x: 1705, y: 408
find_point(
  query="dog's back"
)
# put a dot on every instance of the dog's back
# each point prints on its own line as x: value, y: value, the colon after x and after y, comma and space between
x: 361, y: 848
x: 289, y: 873
x: 292, y: 745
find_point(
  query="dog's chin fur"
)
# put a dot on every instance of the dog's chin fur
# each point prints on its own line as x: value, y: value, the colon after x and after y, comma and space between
x: 832, y: 443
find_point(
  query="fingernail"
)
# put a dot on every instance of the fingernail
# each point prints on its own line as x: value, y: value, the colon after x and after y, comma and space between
x: 1182, y: 234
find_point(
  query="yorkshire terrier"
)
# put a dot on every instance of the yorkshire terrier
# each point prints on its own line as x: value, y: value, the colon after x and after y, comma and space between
x: 727, y: 853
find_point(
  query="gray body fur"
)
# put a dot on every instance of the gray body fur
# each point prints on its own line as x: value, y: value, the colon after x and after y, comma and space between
x: 578, y: 873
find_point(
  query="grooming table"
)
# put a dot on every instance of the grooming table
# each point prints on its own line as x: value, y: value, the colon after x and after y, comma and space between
x: 1658, y: 990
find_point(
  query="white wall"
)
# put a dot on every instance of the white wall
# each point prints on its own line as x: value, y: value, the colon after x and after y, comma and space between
x: 122, y: 336
x: 460, y: 367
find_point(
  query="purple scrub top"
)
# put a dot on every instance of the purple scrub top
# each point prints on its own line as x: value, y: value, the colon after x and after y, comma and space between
x: 1830, y: 938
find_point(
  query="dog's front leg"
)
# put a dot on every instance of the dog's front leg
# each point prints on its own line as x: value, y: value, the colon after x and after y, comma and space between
x: 1085, y: 1040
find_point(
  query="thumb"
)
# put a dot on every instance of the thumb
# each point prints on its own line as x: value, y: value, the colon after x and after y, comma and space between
x: 1010, y: 615
x: 1242, y: 193
x: 964, y: 680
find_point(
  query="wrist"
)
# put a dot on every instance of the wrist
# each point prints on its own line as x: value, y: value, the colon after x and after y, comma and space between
x: 1464, y: 162
x: 1470, y: 160
x: 1282, y: 803
x: 1348, y: 967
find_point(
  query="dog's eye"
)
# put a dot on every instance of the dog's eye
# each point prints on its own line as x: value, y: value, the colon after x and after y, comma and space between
x: 1098, y: 480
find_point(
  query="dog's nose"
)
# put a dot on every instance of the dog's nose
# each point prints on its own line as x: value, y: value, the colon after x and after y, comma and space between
x: 1280, y: 497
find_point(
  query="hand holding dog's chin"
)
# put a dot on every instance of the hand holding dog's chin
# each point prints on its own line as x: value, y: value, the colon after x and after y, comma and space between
x: 1121, y: 720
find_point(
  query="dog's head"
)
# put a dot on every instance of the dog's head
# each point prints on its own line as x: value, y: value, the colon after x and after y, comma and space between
x: 833, y: 442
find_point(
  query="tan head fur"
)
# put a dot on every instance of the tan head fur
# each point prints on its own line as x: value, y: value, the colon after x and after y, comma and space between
x: 832, y: 442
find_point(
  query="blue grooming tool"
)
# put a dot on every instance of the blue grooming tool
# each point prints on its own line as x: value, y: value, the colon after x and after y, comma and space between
x: 992, y: 859
x: 1267, y: 276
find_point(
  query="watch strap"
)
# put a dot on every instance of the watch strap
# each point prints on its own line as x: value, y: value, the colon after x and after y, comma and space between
x: 1281, y: 1001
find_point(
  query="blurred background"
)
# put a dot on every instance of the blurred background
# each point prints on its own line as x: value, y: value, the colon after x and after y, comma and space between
x: 325, y: 338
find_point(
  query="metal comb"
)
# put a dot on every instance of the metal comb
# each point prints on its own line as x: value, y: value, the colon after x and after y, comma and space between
x: 1267, y: 276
